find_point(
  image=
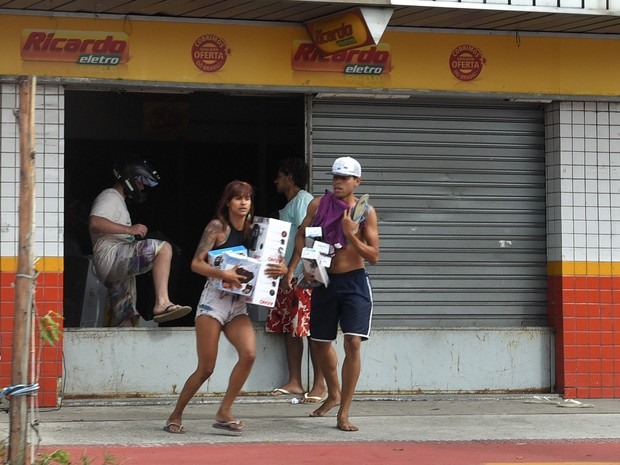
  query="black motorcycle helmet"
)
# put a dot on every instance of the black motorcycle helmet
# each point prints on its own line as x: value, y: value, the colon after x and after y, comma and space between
x: 129, y: 173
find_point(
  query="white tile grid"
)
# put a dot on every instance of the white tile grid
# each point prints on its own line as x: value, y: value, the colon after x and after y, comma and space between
x: 589, y: 106
x: 604, y: 226
x: 8, y: 172
x: 568, y: 254
x: 614, y: 149
x: 615, y: 251
x: 553, y: 161
x: 603, y: 132
x: 49, y: 164
x: 593, y: 254
x: 50, y: 172
x: 605, y: 240
x: 591, y: 173
x: 599, y: 160
x: 590, y: 118
x: 552, y: 203
x: 552, y: 172
x: 580, y: 216
x: 614, y: 115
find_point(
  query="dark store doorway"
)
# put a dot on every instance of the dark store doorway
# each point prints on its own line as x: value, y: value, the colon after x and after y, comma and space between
x: 198, y: 142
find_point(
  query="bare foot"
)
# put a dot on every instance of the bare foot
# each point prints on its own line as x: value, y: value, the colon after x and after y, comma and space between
x: 326, y: 407
x: 346, y: 426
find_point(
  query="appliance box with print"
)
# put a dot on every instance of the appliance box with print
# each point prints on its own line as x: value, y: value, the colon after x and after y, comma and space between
x: 316, y: 264
x: 214, y: 256
x: 327, y: 250
x: 248, y: 267
x: 313, y: 233
x: 269, y: 238
x: 268, y: 244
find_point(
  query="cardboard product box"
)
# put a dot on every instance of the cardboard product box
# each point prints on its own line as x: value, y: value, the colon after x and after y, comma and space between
x: 316, y: 264
x: 266, y: 289
x: 214, y: 256
x: 269, y: 238
x: 268, y: 244
x: 313, y: 233
x: 324, y: 248
x: 247, y: 266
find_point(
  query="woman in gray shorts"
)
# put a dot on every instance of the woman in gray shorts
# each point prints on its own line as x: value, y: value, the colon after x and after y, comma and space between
x: 219, y: 311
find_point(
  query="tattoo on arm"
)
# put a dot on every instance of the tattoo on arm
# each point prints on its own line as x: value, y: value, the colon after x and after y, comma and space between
x: 209, y: 238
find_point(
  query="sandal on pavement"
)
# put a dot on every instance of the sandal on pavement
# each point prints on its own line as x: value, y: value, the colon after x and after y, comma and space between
x: 174, y: 428
x: 313, y: 399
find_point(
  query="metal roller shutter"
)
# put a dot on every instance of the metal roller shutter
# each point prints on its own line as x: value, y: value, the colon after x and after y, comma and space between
x: 459, y: 187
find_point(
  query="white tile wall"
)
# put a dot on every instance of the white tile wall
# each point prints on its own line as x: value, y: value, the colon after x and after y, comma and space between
x: 585, y: 138
x: 49, y: 175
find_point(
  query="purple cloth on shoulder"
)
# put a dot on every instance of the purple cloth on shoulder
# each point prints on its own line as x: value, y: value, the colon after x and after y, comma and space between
x: 329, y: 217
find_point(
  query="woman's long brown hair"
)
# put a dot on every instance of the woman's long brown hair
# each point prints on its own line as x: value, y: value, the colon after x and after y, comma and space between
x: 234, y: 189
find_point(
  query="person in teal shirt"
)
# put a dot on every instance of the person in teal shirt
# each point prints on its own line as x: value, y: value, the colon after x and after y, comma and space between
x: 291, y: 314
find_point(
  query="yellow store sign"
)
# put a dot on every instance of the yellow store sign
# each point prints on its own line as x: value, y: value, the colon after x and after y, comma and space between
x: 206, y: 53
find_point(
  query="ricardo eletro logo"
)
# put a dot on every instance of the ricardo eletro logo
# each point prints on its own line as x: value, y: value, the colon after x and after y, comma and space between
x: 374, y: 60
x: 82, y: 47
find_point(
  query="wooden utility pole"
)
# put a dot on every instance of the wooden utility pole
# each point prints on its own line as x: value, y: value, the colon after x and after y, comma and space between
x: 24, y: 280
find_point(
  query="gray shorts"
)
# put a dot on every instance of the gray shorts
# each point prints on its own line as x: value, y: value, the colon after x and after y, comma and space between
x: 131, y: 259
x: 221, y: 305
x: 134, y: 258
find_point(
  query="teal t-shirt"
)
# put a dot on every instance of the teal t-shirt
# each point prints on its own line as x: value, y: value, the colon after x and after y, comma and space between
x: 294, y: 212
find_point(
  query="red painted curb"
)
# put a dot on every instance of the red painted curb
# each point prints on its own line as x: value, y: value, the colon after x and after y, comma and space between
x: 388, y: 453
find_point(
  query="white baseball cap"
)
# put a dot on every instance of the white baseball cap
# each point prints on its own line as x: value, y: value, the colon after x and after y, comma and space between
x: 346, y: 166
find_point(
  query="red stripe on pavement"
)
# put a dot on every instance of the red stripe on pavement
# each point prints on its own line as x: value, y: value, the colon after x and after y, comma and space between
x: 388, y: 453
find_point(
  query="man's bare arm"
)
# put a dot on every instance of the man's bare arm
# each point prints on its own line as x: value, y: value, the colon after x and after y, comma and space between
x: 368, y: 244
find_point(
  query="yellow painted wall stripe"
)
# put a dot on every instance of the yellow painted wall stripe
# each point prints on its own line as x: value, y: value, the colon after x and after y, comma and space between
x: 583, y: 268
x: 42, y: 264
x: 56, y: 264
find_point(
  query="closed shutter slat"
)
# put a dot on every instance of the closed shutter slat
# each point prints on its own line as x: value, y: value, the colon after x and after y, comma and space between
x: 459, y: 187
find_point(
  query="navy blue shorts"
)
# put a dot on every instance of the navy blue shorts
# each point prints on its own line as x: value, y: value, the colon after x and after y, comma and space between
x: 346, y: 300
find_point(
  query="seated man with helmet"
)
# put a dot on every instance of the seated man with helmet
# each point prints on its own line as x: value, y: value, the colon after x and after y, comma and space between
x: 119, y: 257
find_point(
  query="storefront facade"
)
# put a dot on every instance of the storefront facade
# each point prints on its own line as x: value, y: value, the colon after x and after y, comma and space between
x: 493, y: 160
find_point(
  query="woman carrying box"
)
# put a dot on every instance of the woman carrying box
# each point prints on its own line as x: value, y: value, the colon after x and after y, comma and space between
x: 220, y: 311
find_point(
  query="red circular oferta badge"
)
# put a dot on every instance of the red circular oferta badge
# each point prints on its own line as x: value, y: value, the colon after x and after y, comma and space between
x: 209, y: 53
x: 466, y: 62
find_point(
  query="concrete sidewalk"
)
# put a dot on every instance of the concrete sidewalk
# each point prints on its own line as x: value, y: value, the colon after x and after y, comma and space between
x: 139, y: 422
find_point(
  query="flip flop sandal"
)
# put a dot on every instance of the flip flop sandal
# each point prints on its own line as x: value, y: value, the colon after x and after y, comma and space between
x: 229, y: 426
x: 174, y: 428
x: 172, y: 312
x: 313, y: 399
x: 277, y: 392
x: 360, y: 210
x: 572, y: 403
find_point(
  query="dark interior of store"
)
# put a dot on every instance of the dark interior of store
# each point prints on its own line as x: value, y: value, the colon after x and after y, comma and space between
x: 198, y: 142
